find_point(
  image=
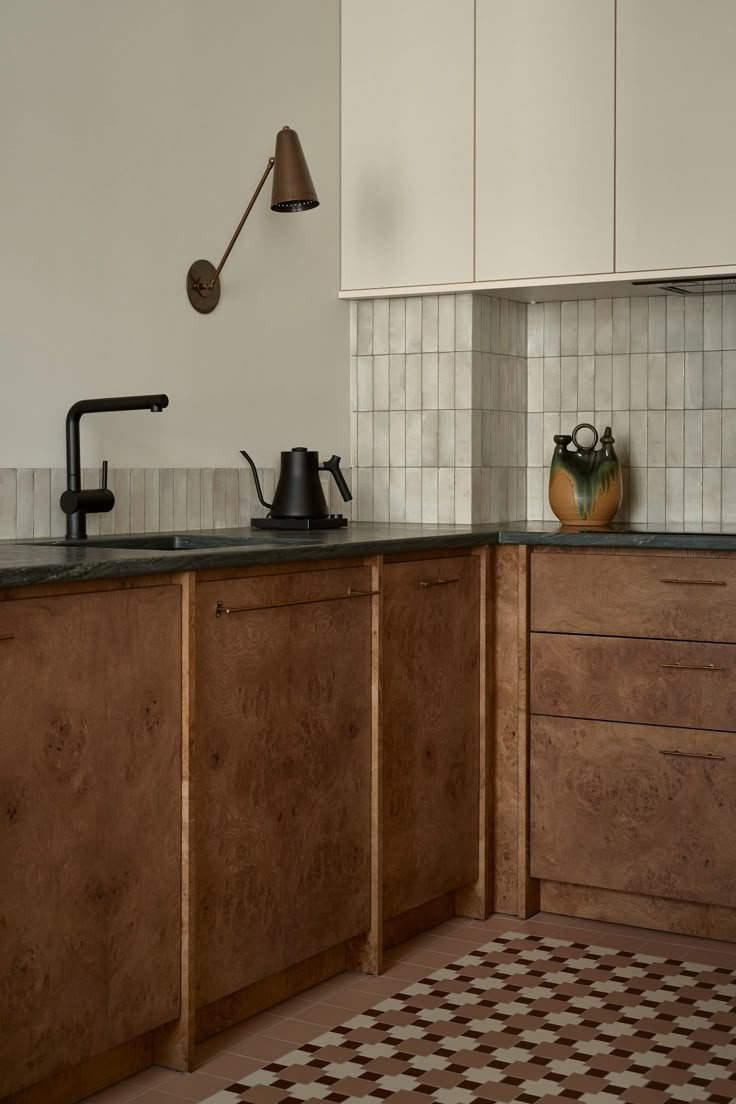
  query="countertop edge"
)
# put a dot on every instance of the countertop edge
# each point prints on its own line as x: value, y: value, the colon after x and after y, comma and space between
x: 29, y: 564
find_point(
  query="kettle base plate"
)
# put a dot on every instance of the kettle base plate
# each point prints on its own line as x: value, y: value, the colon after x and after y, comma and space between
x: 298, y: 523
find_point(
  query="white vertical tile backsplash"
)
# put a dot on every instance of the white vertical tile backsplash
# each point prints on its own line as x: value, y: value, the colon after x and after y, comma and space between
x: 453, y: 447
x: 668, y: 390
x: 146, y: 500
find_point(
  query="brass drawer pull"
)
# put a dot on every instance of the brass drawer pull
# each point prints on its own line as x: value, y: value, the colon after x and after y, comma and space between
x: 221, y: 609
x: 7, y: 636
x: 438, y: 582
x: 695, y: 582
x: 693, y: 666
x: 692, y: 754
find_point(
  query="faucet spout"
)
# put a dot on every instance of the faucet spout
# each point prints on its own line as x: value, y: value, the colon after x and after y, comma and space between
x: 75, y: 502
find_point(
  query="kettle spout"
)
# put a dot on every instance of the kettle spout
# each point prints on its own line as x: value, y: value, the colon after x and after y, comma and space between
x: 257, y: 480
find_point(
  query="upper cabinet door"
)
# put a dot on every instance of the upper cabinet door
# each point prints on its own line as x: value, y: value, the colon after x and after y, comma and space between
x: 675, y: 136
x: 407, y: 142
x: 545, y: 138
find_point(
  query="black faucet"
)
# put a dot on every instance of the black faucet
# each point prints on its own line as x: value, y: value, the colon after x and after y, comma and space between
x: 75, y: 502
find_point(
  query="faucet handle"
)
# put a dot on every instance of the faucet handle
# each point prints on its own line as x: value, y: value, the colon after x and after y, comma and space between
x: 103, y: 477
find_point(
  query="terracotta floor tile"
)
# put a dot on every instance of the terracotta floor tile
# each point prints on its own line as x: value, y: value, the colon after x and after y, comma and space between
x: 692, y: 954
x: 119, y: 1093
x: 195, y: 1086
x: 377, y: 986
x: 262, y: 1094
x: 262, y: 1047
x: 154, y: 1076
x: 231, y: 1066
x: 149, y: 1096
x: 405, y: 971
x: 357, y: 999
x: 429, y: 958
x: 690, y: 941
x: 327, y: 1014
x: 298, y: 1031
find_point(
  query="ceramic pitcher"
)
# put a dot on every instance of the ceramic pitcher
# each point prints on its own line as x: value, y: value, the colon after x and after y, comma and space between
x: 585, y: 486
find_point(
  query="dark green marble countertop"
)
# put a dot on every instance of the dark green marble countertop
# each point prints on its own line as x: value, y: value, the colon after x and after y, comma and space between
x: 23, y: 563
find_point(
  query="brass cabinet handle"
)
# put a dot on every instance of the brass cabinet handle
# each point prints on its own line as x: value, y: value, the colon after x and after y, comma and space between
x: 7, y: 636
x: 691, y: 754
x: 221, y: 609
x: 695, y: 582
x: 692, y: 666
x: 438, y: 582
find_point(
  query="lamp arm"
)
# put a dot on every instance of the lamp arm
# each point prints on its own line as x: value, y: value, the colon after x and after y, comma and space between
x: 241, y: 224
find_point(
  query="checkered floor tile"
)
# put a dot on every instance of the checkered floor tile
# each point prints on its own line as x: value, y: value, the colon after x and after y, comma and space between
x: 525, y: 1018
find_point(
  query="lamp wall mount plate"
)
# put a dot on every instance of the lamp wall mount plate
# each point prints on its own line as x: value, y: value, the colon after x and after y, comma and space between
x: 203, y: 286
x: 292, y: 191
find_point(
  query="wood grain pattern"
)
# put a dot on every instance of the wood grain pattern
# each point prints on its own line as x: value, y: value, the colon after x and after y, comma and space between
x: 685, y: 917
x: 283, y: 776
x: 527, y: 895
x: 89, y: 782
x: 616, y: 595
x: 506, y: 730
x: 365, y: 953
x: 513, y: 891
x: 290, y: 567
x: 288, y: 586
x: 87, y: 586
x: 89, y: 1076
x: 614, y: 679
x: 652, y: 824
x: 475, y: 900
x: 430, y: 717
x: 173, y: 1044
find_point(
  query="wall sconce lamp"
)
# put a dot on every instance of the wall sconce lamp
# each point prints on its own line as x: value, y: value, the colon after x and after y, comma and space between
x: 292, y: 190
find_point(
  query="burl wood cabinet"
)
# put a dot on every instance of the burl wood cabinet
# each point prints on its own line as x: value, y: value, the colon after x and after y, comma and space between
x: 637, y: 808
x: 430, y: 664
x: 90, y: 724
x: 282, y: 771
x: 633, y: 734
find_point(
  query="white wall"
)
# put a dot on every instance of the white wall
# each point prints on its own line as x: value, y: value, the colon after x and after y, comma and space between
x: 133, y: 133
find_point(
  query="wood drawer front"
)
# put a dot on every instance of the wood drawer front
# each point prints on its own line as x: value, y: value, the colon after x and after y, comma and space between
x: 610, y: 809
x: 681, y: 598
x: 686, y: 685
x: 267, y: 591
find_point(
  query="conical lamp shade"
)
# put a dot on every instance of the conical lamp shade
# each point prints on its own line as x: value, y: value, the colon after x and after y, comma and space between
x: 293, y: 189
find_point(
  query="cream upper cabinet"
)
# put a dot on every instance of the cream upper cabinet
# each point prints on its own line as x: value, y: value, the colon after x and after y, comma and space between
x: 407, y: 142
x: 545, y: 138
x: 675, y: 135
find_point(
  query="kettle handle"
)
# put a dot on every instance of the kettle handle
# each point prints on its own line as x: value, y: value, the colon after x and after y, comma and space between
x: 258, y: 482
x: 333, y: 467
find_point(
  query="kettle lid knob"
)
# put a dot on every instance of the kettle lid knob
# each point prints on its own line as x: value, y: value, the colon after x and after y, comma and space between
x: 299, y: 448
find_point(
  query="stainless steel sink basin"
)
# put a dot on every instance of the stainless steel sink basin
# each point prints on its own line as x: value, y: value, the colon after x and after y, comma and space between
x: 157, y: 542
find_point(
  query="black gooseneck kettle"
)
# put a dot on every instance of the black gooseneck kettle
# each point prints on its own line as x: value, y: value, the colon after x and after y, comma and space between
x: 299, y: 501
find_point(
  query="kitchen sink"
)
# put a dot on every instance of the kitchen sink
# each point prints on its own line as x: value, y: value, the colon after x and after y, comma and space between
x: 158, y: 542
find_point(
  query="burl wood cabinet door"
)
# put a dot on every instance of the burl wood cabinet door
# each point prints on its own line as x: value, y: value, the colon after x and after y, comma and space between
x: 282, y: 776
x: 636, y: 808
x: 430, y: 699
x: 90, y: 825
